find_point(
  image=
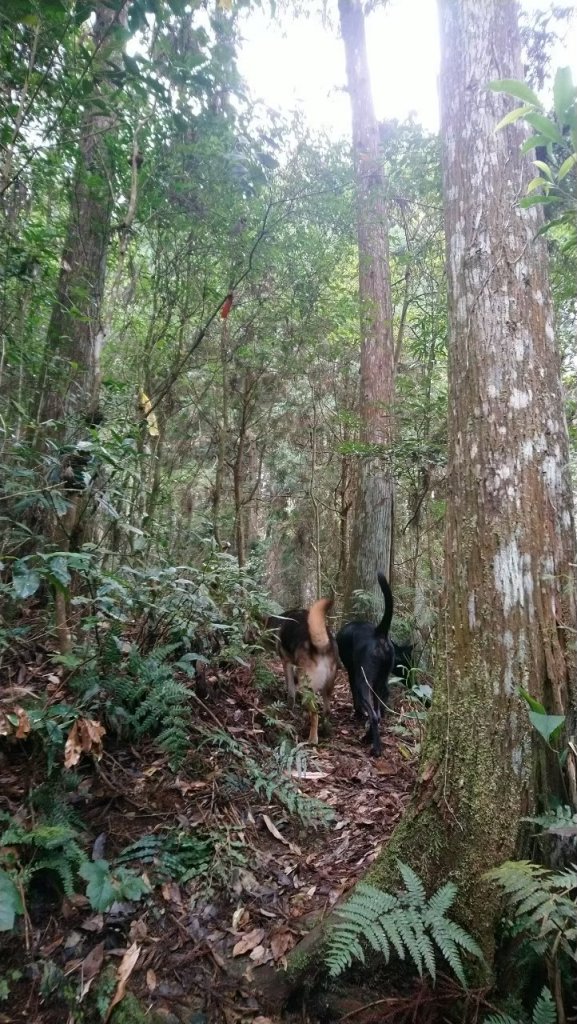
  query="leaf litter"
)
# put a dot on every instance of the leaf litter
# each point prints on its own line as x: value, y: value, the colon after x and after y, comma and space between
x: 190, y: 949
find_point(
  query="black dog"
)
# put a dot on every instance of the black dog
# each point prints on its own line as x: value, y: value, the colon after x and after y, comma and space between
x: 368, y: 656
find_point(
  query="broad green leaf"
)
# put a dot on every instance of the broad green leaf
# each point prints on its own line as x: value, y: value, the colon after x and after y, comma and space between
x: 543, y: 125
x: 520, y: 90
x: 535, y: 183
x: 59, y: 570
x: 534, y: 704
x: 10, y: 902
x: 566, y: 166
x: 537, y: 201
x: 25, y: 582
x: 546, y: 725
x: 533, y: 142
x: 100, y: 890
x: 563, y: 93
x: 544, y: 168
x: 512, y: 116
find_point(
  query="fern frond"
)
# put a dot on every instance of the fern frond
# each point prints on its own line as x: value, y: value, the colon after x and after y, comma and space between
x: 544, y: 1011
x: 448, y: 947
x: 407, y: 923
x: 442, y: 900
x: 415, y: 889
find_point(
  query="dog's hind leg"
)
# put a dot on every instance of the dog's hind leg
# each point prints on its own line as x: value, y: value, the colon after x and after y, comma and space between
x: 289, y: 674
x: 314, y: 729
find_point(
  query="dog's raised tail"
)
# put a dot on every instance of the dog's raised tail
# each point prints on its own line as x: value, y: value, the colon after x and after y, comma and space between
x: 318, y: 623
x: 385, y: 624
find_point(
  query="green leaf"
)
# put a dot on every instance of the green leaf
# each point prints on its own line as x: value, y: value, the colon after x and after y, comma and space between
x: 59, y: 570
x: 544, y: 168
x: 566, y: 166
x: 520, y: 90
x: 534, y: 704
x: 533, y: 142
x: 535, y: 183
x: 563, y: 93
x: 25, y: 582
x: 512, y: 116
x: 546, y: 725
x: 10, y: 902
x: 544, y: 126
x: 537, y: 201
x: 100, y: 890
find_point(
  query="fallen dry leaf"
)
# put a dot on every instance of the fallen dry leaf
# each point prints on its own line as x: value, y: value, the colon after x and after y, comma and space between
x: 125, y: 969
x: 248, y: 942
x: 280, y: 943
x: 90, y: 968
x: 23, y: 723
x: 93, y: 924
x: 151, y: 981
x: 261, y: 955
x: 274, y: 830
x: 85, y: 737
x: 14, y: 722
x: 239, y: 918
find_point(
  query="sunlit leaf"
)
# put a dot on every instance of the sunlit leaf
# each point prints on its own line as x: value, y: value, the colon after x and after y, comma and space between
x: 564, y: 93
x: 519, y: 90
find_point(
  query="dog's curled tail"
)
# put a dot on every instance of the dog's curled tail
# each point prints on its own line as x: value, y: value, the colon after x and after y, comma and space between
x: 318, y: 623
x: 385, y: 624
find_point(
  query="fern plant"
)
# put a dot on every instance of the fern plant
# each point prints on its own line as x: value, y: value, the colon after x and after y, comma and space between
x: 542, y: 905
x: 144, y: 698
x: 407, y: 923
x: 174, y: 855
x: 273, y: 779
x: 24, y: 852
x: 544, y: 1012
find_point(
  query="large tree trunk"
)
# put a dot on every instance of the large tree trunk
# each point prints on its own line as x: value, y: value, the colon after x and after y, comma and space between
x: 508, y: 615
x: 373, y: 518
x: 71, y: 377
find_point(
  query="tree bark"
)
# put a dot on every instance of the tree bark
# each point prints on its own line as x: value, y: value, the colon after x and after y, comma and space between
x: 75, y: 335
x: 373, y: 517
x: 508, y: 616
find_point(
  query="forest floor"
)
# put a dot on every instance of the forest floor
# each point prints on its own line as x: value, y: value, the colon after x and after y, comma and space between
x: 188, y: 950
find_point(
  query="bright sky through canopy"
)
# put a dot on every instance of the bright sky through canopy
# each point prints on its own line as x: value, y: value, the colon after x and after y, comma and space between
x: 301, y: 63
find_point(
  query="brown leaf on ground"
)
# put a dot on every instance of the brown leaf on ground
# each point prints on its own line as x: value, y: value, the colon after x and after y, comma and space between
x: 281, y: 942
x: 125, y: 969
x: 85, y: 737
x: 91, y: 967
x: 14, y: 722
x: 248, y: 942
x: 274, y: 830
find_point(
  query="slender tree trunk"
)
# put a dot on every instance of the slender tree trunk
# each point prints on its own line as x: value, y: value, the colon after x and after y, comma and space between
x: 509, y: 614
x: 373, y: 518
x: 75, y: 334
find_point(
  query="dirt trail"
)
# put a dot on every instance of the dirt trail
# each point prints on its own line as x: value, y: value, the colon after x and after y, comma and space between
x: 272, y: 878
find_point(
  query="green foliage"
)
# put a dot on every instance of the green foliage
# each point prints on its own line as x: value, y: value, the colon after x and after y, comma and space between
x: 406, y: 923
x: 10, y: 901
x: 544, y: 1012
x: 273, y: 778
x: 175, y: 855
x: 541, y: 904
x: 557, y: 134
x: 142, y: 697
x: 107, y: 885
x: 548, y: 726
x: 26, y: 851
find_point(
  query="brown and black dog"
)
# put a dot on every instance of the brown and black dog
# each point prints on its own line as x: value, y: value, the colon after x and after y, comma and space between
x: 308, y: 651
